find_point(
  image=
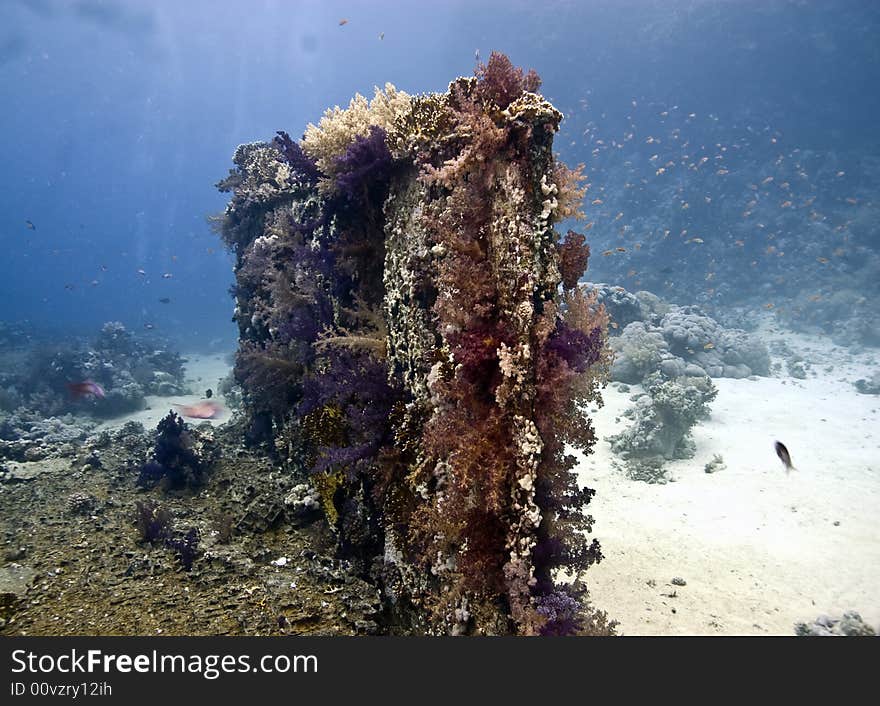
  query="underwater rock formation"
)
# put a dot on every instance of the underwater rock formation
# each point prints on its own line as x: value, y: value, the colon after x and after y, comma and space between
x: 869, y: 387
x: 850, y: 624
x: 676, y: 341
x: 413, y: 340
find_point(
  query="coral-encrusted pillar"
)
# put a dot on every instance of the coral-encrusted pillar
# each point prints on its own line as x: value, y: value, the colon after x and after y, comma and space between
x: 412, y: 327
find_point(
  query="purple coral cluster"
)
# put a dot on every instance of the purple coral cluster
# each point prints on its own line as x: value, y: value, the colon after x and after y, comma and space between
x: 174, y: 463
x: 293, y: 154
x: 367, y: 161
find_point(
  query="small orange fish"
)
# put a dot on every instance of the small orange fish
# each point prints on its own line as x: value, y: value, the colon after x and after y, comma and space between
x: 823, y: 260
x: 620, y: 249
x: 739, y: 243
x: 596, y: 202
x: 852, y: 201
x: 607, y: 253
x: 343, y: 22
x: 709, y: 346
x: 768, y: 306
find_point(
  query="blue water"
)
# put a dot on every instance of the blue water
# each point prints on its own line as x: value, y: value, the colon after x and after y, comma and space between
x: 119, y: 117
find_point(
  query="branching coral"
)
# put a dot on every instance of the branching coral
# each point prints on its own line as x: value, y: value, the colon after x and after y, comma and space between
x: 413, y: 325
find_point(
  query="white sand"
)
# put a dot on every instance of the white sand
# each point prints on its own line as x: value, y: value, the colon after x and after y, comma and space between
x: 202, y: 372
x: 757, y: 547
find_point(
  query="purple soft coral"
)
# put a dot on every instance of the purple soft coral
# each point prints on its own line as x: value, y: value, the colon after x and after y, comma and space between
x: 367, y: 160
x: 562, y: 611
x: 578, y: 349
x: 296, y: 158
x: 355, y: 383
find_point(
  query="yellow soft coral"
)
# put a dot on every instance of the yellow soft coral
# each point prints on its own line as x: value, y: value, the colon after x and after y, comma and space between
x: 335, y: 132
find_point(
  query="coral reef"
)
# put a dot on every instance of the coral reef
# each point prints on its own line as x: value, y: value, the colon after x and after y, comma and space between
x: 414, y: 345
x: 662, y: 419
x: 128, y: 368
x: 784, y: 229
x: 676, y: 341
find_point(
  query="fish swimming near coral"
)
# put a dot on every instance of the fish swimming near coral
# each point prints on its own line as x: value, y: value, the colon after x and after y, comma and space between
x: 784, y: 456
x: 86, y: 388
x: 30, y: 225
x: 200, y: 410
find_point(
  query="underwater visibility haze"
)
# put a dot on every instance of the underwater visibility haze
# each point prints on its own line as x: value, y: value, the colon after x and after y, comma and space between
x: 440, y: 318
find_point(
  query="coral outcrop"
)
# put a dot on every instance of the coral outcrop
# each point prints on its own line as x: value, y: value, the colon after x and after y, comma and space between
x: 662, y: 420
x: 676, y: 341
x: 126, y: 366
x: 413, y: 341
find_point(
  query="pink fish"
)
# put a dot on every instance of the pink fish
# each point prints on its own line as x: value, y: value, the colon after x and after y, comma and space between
x: 86, y: 388
x: 200, y: 410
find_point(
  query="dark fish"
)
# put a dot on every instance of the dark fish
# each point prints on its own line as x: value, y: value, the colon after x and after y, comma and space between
x: 30, y: 225
x: 209, y: 393
x: 164, y: 300
x: 784, y: 456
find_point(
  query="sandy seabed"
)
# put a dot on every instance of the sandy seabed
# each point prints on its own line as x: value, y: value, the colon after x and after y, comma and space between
x: 202, y: 372
x: 759, y: 550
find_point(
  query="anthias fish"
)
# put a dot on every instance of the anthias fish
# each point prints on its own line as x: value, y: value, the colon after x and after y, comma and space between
x: 784, y: 456
x: 86, y: 388
x: 200, y: 410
